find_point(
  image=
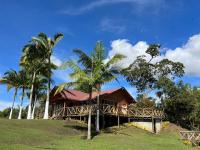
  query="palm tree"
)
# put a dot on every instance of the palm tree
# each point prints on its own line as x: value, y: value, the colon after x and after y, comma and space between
x: 33, y: 61
x: 102, y: 71
x: 39, y: 91
x: 11, y: 79
x: 47, y: 45
x: 80, y: 78
x: 23, y: 84
x: 93, y: 72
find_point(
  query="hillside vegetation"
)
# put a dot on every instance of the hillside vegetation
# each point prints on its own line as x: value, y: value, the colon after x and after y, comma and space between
x: 70, y: 135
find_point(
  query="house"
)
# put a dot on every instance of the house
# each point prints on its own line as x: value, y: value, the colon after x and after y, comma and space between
x: 117, y: 97
x: 114, y: 107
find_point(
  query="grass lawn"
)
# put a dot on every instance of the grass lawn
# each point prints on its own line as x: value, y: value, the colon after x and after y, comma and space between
x: 58, y: 135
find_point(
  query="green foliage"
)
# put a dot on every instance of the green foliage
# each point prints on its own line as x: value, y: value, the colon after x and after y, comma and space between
x: 36, y: 61
x: 145, y: 74
x: 143, y: 101
x: 153, y: 51
x: 180, y: 102
x: 5, y: 113
x: 11, y: 79
x: 89, y: 73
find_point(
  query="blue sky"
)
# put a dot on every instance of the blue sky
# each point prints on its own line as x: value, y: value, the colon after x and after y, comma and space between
x: 125, y: 26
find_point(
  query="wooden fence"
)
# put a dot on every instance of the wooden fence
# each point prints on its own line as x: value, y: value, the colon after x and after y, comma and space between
x: 192, y: 136
x: 107, y: 109
x: 145, y: 113
x: 79, y: 110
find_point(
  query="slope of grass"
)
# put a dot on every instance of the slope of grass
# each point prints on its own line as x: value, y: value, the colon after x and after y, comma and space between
x: 51, y: 134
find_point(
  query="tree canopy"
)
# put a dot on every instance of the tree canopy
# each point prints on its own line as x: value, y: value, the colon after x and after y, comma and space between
x: 145, y: 74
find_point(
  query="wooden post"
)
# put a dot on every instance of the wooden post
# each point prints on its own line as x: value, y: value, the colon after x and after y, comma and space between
x: 153, y: 125
x: 52, y: 111
x: 103, y: 121
x: 80, y: 118
x: 129, y: 120
x: 118, y: 120
x: 85, y: 119
x: 64, y: 109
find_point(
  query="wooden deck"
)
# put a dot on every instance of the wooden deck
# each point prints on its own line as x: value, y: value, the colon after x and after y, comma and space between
x: 192, y: 136
x: 106, y: 109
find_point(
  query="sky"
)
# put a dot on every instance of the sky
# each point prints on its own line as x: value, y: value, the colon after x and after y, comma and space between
x: 125, y: 26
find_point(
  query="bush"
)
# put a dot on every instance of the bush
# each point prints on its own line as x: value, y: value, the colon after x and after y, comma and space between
x: 6, y: 112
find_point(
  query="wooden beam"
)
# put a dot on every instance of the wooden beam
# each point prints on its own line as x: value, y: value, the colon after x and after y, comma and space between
x: 153, y: 125
x: 118, y: 120
x: 64, y: 109
x: 103, y: 121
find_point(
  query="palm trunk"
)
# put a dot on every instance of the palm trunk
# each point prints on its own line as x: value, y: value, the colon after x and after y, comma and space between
x: 33, y: 112
x: 21, y: 104
x: 46, y: 112
x: 89, y: 124
x: 11, y: 111
x: 98, y: 108
x: 90, y: 110
x: 97, y: 121
x: 89, y: 120
x: 31, y: 96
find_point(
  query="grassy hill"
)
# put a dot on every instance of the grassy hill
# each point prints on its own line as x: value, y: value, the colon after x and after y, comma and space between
x: 58, y: 135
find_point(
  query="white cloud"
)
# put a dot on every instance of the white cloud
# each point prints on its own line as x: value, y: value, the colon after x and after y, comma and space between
x: 110, y: 25
x: 57, y: 61
x: 188, y: 54
x: 99, y: 3
x: 124, y: 47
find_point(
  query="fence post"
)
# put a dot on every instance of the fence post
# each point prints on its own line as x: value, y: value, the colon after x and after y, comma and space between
x: 118, y: 119
x: 64, y: 109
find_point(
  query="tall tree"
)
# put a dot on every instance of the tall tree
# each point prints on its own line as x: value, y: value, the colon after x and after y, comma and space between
x: 39, y: 92
x: 92, y: 71
x: 145, y: 74
x: 23, y: 85
x: 144, y: 101
x: 33, y: 61
x: 11, y: 79
x: 47, y: 44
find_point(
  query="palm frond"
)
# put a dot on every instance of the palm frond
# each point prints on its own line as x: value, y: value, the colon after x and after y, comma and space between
x: 99, y: 51
x: 40, y: 42
x: 57, y: 37
x: 83, y: 58
x: 65, y: 86
x: 43, y: 35
x: 115, y: 59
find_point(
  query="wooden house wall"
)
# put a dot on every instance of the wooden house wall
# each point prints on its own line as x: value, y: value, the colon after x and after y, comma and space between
x: 118, y: 98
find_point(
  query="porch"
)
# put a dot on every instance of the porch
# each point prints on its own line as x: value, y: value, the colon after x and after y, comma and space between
x: 106, y: 109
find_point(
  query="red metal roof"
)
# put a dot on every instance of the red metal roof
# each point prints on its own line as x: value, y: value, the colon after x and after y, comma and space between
x: 76, y: 95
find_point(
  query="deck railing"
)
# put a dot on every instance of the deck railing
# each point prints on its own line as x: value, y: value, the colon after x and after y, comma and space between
x: 109, y: 110
x: 79, y: 110
x: 192, y: 136
x: 145, y: 112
